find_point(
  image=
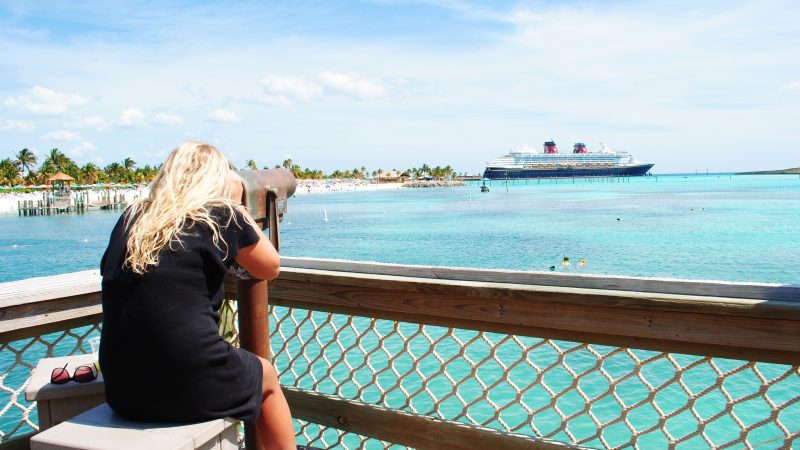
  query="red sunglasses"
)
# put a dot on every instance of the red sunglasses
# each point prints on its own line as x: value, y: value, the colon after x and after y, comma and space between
x: 82, y: 374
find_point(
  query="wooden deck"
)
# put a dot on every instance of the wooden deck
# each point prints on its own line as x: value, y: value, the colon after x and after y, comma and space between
x: 759, y: 323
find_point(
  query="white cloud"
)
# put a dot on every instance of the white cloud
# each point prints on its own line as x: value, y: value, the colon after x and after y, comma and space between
x: 794, y: 86
x: 92, y: 122
x: 224, y: 116
x: 17, y: 125
x: 61, y: 135
x: 353, y: 84
x: 167, y: 119
x: 284, y: 91
x: 131, y: 117
x: 46, y: 101
x: 80, y: 149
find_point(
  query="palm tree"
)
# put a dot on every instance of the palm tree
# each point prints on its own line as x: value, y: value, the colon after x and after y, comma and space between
x: 88, y: 173
x: 26, y: 160
x: 58, y: 159
x: 425, y: 169
x: 9, y: 172
x: 146, y: 173
x: 128, y: 164
x: 250, y: 164
x: 115, y: 171
x: 47, y: 168
x: 288, y: 163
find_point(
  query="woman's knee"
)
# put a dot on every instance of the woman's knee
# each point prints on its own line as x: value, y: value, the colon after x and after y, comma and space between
x: 269, y: 379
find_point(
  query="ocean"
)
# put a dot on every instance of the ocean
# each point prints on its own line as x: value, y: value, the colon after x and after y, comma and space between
x: 710, y: 227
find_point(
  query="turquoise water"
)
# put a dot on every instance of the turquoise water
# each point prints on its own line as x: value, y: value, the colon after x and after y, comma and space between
x: 735, y: 228
x: 714, y: 227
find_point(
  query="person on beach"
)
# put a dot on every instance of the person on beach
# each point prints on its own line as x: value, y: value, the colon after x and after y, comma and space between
x: 161, y: 353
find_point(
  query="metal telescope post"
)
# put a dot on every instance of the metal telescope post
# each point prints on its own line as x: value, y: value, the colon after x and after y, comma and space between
x: 265, y: 196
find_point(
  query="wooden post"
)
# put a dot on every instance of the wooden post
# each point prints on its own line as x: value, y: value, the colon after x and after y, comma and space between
x: 253, y: 332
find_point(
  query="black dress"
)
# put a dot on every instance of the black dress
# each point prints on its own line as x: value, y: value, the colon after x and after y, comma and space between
x: 161, y: 353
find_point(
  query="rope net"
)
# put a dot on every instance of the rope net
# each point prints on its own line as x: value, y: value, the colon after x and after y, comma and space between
x: 577, y: 393
x: 17, y: 360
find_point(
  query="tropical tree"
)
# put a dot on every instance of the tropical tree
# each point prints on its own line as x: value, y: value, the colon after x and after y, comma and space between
x: 9, y: 172
x: 90, y: 173
x: 146, y: 173
x: 115, y: 171
x: 58, y: 159
x: 47, y: 169
x: 288, y: 163
x: 129, y: 164
x: 26, y: 160
x: 250, y: 164
x: 425, y: 169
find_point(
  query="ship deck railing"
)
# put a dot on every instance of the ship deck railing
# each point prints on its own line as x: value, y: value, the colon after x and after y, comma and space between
x: 394, y: 356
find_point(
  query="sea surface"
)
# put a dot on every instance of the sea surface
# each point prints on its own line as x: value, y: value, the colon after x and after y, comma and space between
x: 709, y: 227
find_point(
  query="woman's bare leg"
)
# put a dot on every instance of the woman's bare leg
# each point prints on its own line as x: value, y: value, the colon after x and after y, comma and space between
x: 274, y: 427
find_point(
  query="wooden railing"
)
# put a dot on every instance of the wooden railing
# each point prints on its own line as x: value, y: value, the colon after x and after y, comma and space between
x: 430, y: 357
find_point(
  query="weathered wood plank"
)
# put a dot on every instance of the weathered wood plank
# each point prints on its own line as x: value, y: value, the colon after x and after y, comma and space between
x: 40, y: 289
x: 733, y: 328
x: 556, y: 294
x: 398, y: 427
x: 759, y: 291
x: 15, y: 320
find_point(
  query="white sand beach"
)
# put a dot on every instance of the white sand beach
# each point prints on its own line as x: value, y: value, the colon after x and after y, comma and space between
x: 8, y: 201
x: 320, y: 186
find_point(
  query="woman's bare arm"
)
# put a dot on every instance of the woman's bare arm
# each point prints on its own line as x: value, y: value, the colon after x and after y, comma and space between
x: 260, y: 259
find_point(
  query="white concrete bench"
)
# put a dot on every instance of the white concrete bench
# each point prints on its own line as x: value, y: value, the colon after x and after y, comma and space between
x: 101, y: 429
x: 75, y: 416
x: 56, y: 403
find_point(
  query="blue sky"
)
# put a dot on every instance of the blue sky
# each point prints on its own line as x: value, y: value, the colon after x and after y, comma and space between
x: 393, y: 84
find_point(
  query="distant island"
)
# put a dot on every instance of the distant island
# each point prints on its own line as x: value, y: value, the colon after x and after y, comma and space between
x: 796, y: 170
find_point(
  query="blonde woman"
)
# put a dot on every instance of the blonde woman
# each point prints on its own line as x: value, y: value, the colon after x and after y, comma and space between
x: 161, y: 353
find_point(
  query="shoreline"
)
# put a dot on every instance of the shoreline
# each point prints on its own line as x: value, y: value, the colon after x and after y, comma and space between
x: 8, y: 201
x: 305, y: 187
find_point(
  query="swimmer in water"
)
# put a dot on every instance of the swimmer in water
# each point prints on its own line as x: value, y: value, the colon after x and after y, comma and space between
x: 565, y: 262
x: 582, y: 262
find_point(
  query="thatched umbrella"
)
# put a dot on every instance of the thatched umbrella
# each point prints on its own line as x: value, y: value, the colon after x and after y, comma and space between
x: 60, y: 180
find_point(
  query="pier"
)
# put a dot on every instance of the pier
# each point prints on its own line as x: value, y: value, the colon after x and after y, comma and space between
x: 70, y: 202
x: 447, y: 358
x: 63, y: 199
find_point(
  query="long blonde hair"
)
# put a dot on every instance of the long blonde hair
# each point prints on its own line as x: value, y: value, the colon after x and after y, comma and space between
x: 194, y: 178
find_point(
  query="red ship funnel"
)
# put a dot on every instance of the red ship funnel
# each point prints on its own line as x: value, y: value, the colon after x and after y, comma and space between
x: 579, y: 147
x: 550, y: 147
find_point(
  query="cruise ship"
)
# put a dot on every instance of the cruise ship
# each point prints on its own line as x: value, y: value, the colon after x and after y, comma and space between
x: 527, y: 163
